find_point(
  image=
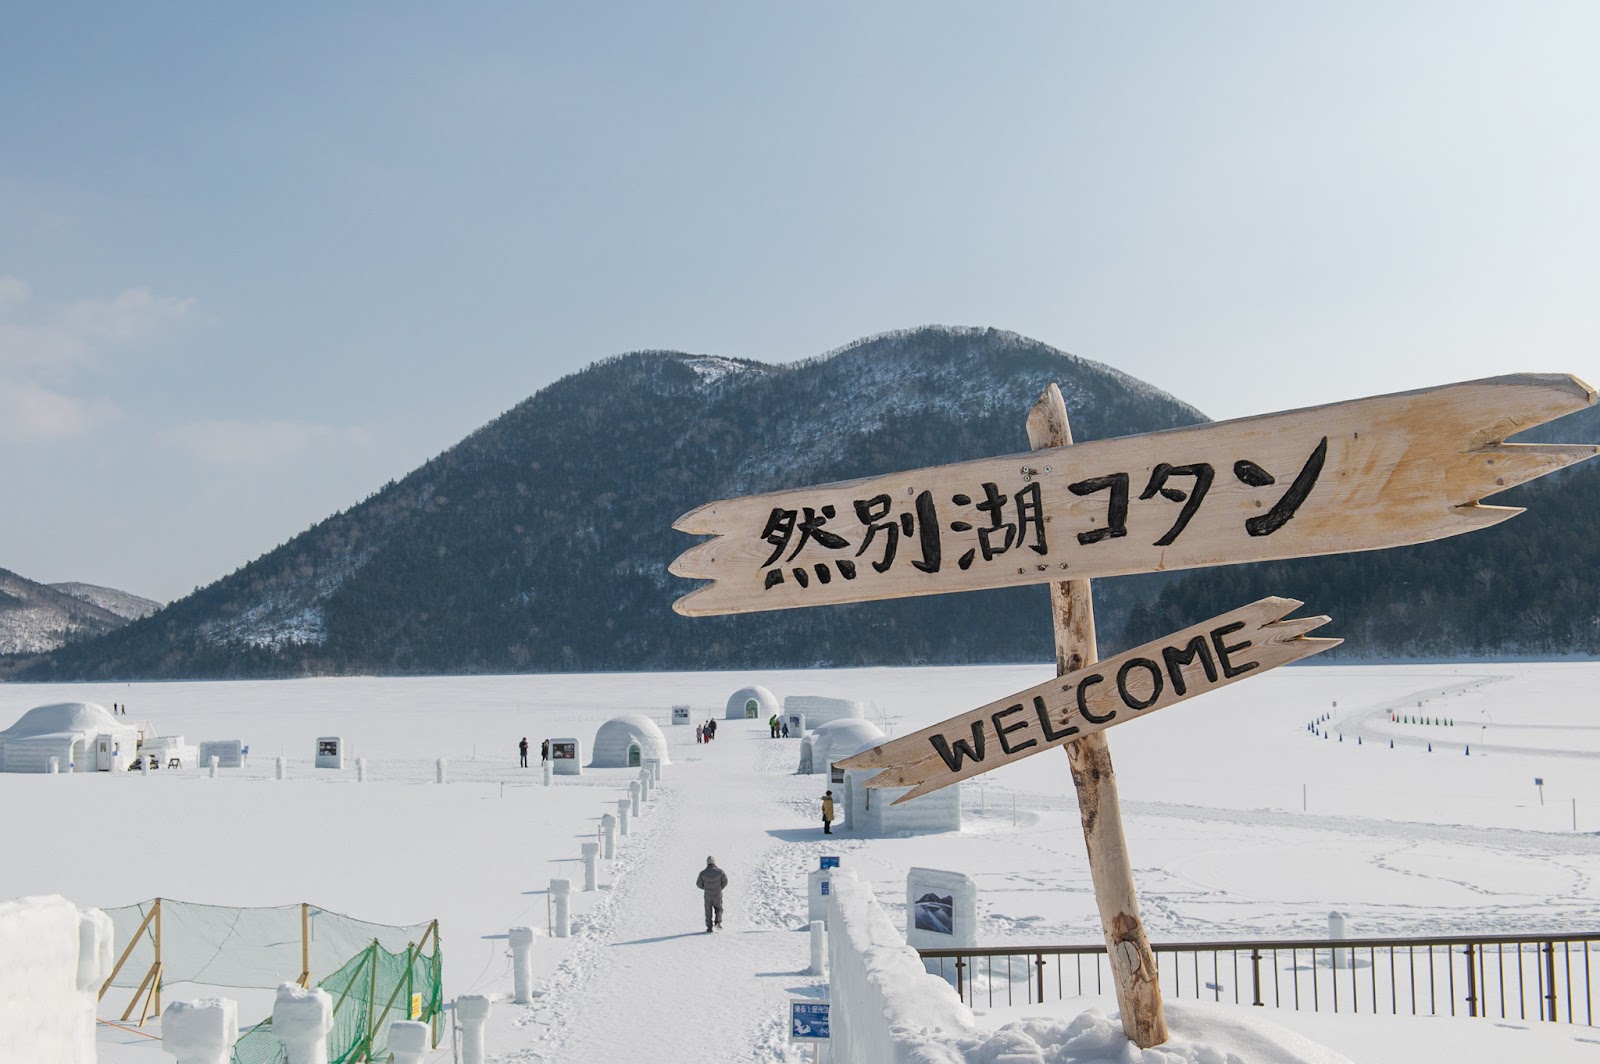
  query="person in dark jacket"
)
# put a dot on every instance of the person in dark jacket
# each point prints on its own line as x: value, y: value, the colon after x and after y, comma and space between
x: 522, y: 748
x: 544, y: 751
x: 712, y: 880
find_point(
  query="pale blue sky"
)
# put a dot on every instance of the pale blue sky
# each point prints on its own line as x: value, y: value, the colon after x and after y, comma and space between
x: 256, y: 260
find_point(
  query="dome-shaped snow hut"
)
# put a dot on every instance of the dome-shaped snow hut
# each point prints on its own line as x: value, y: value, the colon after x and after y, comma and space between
x: 628, y: 742
x: 82, y: 736
x: 835, y: 741
x: 751, y: 703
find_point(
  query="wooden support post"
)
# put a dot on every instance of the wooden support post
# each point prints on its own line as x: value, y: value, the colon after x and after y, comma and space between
x: 140, y: 993
x: 372, y: 992
x: 305, y: 947
x: 157, y: 991
x: 128, y: 949
x: 1133, y: 965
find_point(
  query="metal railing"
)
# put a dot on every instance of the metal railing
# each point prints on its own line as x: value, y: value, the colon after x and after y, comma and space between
x: 1539, y: 977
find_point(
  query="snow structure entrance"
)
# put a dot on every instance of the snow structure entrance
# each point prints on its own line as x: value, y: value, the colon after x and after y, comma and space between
x: 751, y: 703
x: 628, y: 742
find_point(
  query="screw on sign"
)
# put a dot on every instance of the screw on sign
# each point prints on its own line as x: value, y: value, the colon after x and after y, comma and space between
x: 1362, y: 475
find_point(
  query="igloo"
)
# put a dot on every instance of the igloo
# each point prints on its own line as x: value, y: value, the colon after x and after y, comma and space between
x: 751, y: 703
x: 835, y: 741
x: 628, y: 742
x: 81, y: 736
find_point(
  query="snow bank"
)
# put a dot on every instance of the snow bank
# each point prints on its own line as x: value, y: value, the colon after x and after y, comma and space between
x: 1199, y: 1035
x: 886, y: 1008
x: 55, y: 957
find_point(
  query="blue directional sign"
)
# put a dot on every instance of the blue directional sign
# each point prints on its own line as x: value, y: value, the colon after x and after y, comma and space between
x: 808, y: 1021
x: 830, y: 862
x: 824, y: 885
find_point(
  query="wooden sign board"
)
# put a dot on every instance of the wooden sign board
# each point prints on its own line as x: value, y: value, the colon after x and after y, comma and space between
x: 1246, y: 642
x: 1378, y: 472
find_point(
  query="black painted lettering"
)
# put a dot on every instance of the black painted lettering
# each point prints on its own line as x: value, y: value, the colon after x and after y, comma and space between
x: 1001, y: 732
x: 1155, y: 683
x: 1050, y: 734
x: 1229, y: 669
x: 1083, y: 702
x: 953, y: 755
x: 1177, y: 657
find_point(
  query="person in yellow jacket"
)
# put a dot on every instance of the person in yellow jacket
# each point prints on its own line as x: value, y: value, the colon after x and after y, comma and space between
x: 827, y: 813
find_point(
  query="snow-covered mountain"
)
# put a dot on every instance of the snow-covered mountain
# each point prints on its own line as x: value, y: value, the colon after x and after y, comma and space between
x: 122, y: 603
x: 541, y: 541
x: 35, y: 618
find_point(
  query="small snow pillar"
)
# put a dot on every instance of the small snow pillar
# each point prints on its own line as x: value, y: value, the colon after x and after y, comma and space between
x: 654, y: 765
x: 55, y: 766
x: 549, y: 773
x: 280, y: 769
x: 624, y: 808
x: 633, y: 795
x: 301, y: 1020
x: 472, y: 1010
x: 591, y: 861
x: 361, y: 770
x: 521, y: 966
x: 200, y: 1032
x: 560, y: 890
x: 211, y: 768
x: 408, y: 1041
x: 96, y: 956
x: 819, y: 948
x: 608, y: 836
x: 817, y: 894
x: 439, y: 771
x: 645, y: 780
x: 144, y: 766
x: 1341, y: 957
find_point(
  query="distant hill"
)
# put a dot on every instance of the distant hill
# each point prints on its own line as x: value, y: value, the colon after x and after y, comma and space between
x: 35, y: 618
x: 541, y: 541
x: 127, y: 606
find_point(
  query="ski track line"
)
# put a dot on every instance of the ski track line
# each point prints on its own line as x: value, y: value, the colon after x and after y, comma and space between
x: 645, y: 981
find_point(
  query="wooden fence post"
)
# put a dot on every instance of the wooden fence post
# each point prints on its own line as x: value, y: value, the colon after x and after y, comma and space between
x: 1133, y: 965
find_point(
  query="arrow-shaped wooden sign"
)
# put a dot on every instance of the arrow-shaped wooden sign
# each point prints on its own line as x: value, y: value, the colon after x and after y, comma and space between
x: 1378, y: 472
x: 1245, y: 642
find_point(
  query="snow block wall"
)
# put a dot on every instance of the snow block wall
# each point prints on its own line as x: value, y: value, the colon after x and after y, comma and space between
x: 885, y: 1008
x: 818, y: 709
x: 55, y: 957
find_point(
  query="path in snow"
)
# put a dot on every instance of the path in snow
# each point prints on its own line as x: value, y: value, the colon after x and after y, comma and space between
x: 647, y: 982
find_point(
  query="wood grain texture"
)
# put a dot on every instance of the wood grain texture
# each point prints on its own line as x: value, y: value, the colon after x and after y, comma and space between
x: 1359, y: 475
x: 1134, y: 973
x: 1246, y: 642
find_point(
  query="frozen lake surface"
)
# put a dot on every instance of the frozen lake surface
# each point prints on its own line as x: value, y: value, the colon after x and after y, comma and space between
x: 1240, y: 821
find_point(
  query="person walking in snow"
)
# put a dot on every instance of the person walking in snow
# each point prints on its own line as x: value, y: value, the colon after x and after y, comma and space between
x: 785, y: 727
x: 522, y: 749
x: 827, y: 813
x: 713, y: 881
x: 699, y: 733
x: 544, y: 752
x: 711, y: 728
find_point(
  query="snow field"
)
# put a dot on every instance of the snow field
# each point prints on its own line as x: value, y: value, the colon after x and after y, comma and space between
x: 1401, y: 841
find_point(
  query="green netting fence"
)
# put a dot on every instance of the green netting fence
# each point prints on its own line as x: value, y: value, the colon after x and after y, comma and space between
x: 369, y: 993
x: 380, y: 972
